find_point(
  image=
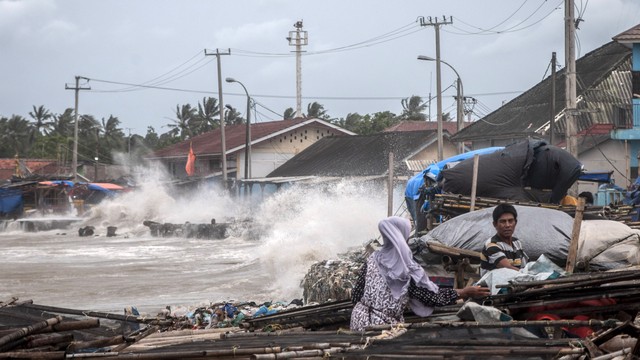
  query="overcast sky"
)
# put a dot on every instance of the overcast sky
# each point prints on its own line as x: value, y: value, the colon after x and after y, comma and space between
x: 361, y: 55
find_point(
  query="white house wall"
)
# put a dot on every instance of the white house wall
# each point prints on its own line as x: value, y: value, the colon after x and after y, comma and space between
x: 271, y: 153
x: 616, y: 161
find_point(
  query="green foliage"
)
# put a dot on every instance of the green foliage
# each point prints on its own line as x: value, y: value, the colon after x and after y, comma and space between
x: 413, y: 108
x: 317, y: 111
x: 50, y: 135
x: 289, y: 113
x: 368, y: 124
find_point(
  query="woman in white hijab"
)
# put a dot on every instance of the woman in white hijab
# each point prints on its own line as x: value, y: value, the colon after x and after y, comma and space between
x: 390, y: 279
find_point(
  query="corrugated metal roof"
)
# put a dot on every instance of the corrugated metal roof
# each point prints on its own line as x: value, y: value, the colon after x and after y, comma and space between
x: 210, y: 143
x: 411, y: 125
x: 355, y: 155
x: 603, y: 87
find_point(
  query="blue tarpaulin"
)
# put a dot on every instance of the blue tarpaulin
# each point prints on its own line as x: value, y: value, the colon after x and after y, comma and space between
x: 10, y: 201
x: 601, y: 177
x: 413, y: 185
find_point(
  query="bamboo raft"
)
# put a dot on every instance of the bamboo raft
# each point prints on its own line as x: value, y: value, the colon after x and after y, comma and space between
x: 35, y: 331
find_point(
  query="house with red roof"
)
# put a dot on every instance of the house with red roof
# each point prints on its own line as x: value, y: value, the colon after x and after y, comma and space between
x: 272, y: 144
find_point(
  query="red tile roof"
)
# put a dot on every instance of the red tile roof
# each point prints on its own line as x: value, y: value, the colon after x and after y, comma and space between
x: 409, y: 125
x: 210, y: 143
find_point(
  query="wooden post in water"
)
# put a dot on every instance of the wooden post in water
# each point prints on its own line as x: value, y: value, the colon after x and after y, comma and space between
x: 474, y: 181
x: 575, y: 237
x: 390, y: 187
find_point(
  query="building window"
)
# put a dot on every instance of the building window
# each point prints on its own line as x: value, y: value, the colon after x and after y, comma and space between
x: 215, y: 164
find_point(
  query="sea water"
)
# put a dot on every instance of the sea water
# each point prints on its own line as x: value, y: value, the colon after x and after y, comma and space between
x: 289, y: 230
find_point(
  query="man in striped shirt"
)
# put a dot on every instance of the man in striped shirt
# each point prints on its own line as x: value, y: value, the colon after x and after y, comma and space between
x: 503, y: 250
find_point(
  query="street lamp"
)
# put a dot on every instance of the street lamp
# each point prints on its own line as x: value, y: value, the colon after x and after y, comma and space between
x: 459, y: 101
x: 247, y: 148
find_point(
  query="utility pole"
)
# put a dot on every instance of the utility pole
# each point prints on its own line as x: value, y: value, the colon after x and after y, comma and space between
x: 459, y: 111
x: 553, y: 99
x: 221, y: 111
x: 570, y: 78
x: 74, y: 162
x: 436, y: 25
x: 298, y: 38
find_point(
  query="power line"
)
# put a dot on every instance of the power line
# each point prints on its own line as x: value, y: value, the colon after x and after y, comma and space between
x: 514, y: 28
x: 400, y: 32
x: 373, y: 98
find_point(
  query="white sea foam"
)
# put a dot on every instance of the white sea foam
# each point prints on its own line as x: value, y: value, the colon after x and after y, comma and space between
x: 307, y: 224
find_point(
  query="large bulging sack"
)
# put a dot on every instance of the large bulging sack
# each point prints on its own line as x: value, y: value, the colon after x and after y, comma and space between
x: 524, y: 171
x: 499, y: 174
x: 541, y: 230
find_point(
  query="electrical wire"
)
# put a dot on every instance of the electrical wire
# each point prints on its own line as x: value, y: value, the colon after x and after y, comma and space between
x: 136, y: 87
x: 400, y: 32
x: 507, y: 30
x: 498, y: 24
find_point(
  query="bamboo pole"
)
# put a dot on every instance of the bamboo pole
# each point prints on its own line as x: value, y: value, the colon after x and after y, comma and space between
x: 474, y: 182
x: 29, y: 330
x: 550, y: 289
x: 99, y: 343
x: 42, y: 355
x: 98, y: 314
x: 137, y: 338
x: 42, y: 340
x: 497, y: 324
x: 575, y: 237
x: 452, y: 251
x: 573, y: 278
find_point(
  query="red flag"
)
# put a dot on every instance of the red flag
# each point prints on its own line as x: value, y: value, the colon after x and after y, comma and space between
x: 191, y: 162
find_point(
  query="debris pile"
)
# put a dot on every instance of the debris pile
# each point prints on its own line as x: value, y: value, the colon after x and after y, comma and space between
x: 331, y: 280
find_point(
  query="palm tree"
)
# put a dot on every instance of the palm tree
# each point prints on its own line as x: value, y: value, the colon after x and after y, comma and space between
x: 62, y: 124
x: 181, y: 126
x: 208, y: 113
x: 232, y: 116
x: 15, y: 135
x: 317, y: 111
x: 413, y: 108
x: 289, y: 113
x: 113, y: 136
x: 41, y: 119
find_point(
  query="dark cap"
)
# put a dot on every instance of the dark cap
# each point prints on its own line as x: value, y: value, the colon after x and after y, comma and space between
x: 504, y: 208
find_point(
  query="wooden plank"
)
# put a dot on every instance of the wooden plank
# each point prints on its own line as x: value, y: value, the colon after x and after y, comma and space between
x: 575, y: 237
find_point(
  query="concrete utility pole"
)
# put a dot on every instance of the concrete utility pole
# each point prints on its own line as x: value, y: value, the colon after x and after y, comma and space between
x: 436, y: 25
x: 221, y: 111
x: 553, y: 99
x: 74, y: 161
x: 570, y: 78
x: 298, y: 38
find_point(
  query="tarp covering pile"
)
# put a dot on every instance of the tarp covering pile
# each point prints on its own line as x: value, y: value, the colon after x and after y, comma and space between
x: 10, y: 201
x: 604, y: 244
x: 505, y: 174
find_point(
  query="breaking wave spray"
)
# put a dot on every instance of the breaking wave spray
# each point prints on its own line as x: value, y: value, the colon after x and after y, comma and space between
x: 290, y: 229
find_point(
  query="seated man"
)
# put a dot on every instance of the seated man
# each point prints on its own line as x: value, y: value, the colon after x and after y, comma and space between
x: 503, y: 250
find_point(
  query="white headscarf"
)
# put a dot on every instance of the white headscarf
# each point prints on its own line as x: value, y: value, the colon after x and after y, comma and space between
x: 396, y: 264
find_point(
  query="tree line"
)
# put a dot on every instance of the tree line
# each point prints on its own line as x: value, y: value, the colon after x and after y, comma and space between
x: 47, y: 135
